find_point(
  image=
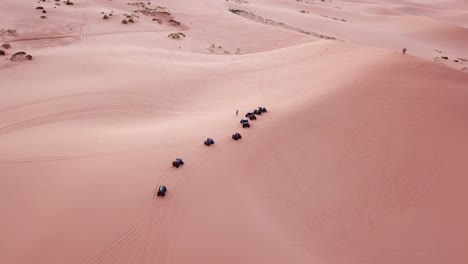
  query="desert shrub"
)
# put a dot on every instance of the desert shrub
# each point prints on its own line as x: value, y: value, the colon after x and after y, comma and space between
x: 43, y: 17
x: 68, y: 2
x: 21, y: 53
x: 124, y: 21
x: 43, y: 11
x: 8, y: 32
x: 236, y: 11
x: 177, y: 35
x: 20, y: 56
x: 131, y: 20
x: 173, y: 22
x: 39, y: 8
x: 6, y: 46
x: 445, y: 58
x: 105, y: 17
x: 2, y: 53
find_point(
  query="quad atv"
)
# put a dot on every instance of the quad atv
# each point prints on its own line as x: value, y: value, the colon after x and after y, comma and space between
x: 236, y: 136
x: 252, y: 117
x: 209, y: 142
x: 244, y: 120
x: 262, y: 109
x: 162, y: 191
x: 249, y: 114
x: 245, y: 125
x: 177, y: 163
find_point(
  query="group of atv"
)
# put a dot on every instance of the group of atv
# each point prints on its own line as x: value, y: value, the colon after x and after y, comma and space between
x: 252, y: 115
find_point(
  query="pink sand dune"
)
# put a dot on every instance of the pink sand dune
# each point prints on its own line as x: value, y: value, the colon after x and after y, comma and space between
x: 359, y: 159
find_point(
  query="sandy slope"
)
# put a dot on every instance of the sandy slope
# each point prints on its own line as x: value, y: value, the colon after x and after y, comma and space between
x: 360, y: 158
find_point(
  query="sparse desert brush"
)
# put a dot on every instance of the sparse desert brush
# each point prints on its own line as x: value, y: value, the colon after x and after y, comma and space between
x: 2, y: 53
x: 105, y: 17
x: 43, y: 11
x: 124, y: 21
x: 39, y: 8
x: 6, y: 46
x: 21, y: 53
x: 68, y: 2
x: 173, y: 22
x: 43, y: 17
x: 177, y: 35
x: 20, y: 56
x: 131, y: 20
x: 236, y: 11
x: 8, y: 32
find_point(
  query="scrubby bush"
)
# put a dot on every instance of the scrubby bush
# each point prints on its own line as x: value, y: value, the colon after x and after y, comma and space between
x: 124, y: 21
x: 174, y: 23
x: 177, y: 35
x: 20, y: 56
x: 2, y: 53
x: 236, y: 11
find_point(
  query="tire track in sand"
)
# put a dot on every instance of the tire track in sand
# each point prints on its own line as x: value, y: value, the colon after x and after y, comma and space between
x: 135, y: 231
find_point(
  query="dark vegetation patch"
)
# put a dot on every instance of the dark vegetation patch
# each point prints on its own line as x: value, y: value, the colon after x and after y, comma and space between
x: 259, y: 19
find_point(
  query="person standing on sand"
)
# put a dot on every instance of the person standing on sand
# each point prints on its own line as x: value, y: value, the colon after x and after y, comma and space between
x: 237, y: 112
x: 404, y: 50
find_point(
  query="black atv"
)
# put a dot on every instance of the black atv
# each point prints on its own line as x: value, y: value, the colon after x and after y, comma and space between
x: 236, y: 136
x: 244, y: 120
x: 245, y: 125
x: 262, y: 109
x: 162, y: 191
x: 209, y: 141
x: 252, y: 117
x: 177, y: 163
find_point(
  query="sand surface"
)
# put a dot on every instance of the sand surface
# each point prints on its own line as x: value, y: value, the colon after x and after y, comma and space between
x: 360, y: 159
